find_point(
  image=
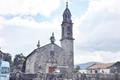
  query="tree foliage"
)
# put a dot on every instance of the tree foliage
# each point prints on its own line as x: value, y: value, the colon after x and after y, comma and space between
x: 19, y: 59
x: 77, y: 68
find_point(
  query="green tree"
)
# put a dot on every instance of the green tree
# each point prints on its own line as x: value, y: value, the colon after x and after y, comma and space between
x: 77, y: 68
x: 19, y: 59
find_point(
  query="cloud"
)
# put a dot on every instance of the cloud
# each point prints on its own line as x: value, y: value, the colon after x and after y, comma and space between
x: 97, y: 32
x: 30, y: 22
x: 22, y: 30
x: 2, y: 42
x: 28, y: 7
x: 86, y: 56
x: 19, y: 33
x: 97, y: 56
x: 99, y: 26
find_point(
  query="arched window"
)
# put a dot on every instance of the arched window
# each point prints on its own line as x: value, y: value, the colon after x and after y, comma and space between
x: 62, y: 31
x: 69, y: 29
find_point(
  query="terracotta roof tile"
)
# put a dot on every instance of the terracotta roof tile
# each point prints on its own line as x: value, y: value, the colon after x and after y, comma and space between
x: 101, y: 66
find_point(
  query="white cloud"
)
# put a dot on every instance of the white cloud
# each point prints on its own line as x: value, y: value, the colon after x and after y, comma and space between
x: 2, y: 42
x: 86, y: 56
x: 1, y: 22
x: 98, y: 36
x: 96, y: 56
x: 96, y: 32
x: 20, y: 33
x: 100, y: 26
x: 30, y: 23
x: 28, y: 7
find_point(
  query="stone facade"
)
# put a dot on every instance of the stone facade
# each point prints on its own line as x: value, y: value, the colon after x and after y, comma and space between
x: 51, y: 57
x: 38, y: 60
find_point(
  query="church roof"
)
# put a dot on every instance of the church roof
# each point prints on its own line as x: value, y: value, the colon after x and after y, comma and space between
x: 67, y: 14
x: 101, y: 66
x: 43, y: 48
x: 48, y: 46
x: 67, y: 11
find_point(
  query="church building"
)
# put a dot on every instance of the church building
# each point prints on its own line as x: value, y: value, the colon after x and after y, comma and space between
x: 52, y: 58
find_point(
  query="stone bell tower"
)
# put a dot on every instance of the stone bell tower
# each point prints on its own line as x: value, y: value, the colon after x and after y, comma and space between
x: 67, y: 40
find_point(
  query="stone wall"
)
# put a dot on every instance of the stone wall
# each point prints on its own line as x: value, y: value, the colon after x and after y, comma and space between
x: 96, y: 76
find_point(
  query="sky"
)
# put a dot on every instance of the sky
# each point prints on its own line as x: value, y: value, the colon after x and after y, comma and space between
x: 96, y: 27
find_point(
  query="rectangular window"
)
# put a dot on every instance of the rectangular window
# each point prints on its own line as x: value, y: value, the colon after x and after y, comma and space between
x: 5, y: 70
